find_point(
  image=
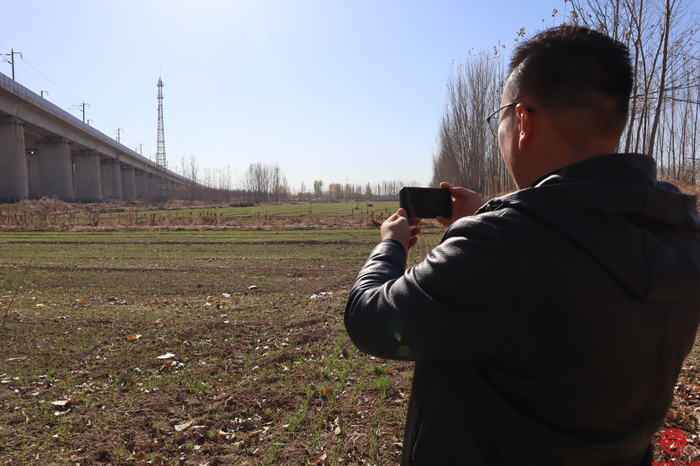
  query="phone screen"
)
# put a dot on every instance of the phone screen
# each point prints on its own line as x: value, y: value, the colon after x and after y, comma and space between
x: 426, y: 202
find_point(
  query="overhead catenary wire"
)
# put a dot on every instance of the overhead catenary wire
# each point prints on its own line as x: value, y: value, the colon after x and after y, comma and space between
x: 22, y: 79
x: 33, y: 78
x: 63, y: 90
x: 30, y: 76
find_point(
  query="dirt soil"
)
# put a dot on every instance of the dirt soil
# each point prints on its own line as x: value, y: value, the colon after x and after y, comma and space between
x: 240, y: 360
x: 236, y: 410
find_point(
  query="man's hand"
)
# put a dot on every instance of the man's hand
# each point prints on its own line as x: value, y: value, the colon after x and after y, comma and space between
x: 398, y: 227
x: 464, y: 204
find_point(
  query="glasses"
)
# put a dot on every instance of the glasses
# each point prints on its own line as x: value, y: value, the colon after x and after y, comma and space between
x: 494, y: 120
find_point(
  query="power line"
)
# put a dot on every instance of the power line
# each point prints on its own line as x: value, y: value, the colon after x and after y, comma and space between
x: 33, y: 78
x: 31, y: 74
x: 50, y: 80
x: 103, y: 118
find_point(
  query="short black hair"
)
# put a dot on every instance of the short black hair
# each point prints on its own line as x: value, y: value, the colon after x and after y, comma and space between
x: 573, y: 66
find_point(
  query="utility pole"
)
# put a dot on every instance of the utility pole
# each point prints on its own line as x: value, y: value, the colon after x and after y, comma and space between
x: 139, y: 148
x: 42, y: 93
x: 84, y: 104
x: 12, y: 60
x: 83, y: 107
x: 119, y: 133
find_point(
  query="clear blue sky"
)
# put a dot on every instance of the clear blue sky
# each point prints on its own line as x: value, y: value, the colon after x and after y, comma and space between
x: 330, y: 90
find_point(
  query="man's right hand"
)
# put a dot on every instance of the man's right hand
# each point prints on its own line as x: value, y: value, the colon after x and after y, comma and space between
x: 464, y: 203
x: 401, y: 228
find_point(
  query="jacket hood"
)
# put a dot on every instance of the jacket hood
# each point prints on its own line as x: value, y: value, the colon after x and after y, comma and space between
x: 645, y: 232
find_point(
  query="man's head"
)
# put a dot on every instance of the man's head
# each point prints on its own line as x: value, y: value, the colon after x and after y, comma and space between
x: 577, y: 83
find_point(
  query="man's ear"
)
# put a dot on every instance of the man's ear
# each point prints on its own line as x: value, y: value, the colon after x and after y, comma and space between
x: 525, y: 125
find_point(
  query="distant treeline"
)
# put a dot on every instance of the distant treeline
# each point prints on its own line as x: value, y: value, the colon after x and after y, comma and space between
x: 264, y: 183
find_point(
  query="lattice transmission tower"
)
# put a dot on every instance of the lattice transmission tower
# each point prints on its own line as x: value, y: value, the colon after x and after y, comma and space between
x: 160, y: 154
x: 161, y: 161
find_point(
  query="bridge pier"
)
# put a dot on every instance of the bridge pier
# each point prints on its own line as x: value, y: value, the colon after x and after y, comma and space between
x: 165, y: 188
x: 117, y: 180
x: 33, y: 172
x: 141, y: 184
x: 128, y: 183
x: 13, y: 160
x: 153, y: 186
x: 87, y: 183
x: 111, y: 179
x: 55, y: 168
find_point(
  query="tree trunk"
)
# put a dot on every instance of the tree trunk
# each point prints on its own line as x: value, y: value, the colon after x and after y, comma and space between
x: 664, y: 66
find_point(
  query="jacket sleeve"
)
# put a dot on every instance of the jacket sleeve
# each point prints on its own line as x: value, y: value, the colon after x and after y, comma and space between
x: 455, y: 304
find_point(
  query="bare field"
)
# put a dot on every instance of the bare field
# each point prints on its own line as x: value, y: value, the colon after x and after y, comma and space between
x: 190, y: 347
x: 201, y: 347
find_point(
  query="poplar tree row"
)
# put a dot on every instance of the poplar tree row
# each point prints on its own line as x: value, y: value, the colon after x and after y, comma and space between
x: 664, y: 121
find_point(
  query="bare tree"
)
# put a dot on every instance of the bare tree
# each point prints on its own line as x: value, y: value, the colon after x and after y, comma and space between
x: 467, y: 153
x: 318, y: 189
x: 662, y: 38
x: 335, y: 191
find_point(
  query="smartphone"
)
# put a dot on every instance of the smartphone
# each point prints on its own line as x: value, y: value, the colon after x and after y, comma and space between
x: 426, y: 202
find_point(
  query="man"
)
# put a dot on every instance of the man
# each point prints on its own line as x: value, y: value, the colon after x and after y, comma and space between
x: 548, y: 327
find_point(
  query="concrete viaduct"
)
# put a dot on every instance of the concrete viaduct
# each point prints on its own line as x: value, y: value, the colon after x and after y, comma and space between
x: 45, y: 151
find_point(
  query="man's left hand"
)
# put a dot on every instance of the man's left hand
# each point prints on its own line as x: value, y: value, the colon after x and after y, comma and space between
x: 398, y: 227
